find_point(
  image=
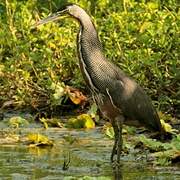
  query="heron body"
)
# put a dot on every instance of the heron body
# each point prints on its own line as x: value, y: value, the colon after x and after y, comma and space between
x: 119, y: 97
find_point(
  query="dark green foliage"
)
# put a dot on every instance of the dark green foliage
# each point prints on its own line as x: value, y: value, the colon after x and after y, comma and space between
x: 141, y: 37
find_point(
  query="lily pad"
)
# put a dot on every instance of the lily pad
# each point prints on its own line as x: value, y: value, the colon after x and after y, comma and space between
x: 82, y: 121
x: 39, y: 140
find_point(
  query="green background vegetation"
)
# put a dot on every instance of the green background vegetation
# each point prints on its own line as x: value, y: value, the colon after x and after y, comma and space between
x: 141, y: 37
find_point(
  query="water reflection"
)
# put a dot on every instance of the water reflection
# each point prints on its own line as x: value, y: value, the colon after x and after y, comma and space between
x: 118, y: 172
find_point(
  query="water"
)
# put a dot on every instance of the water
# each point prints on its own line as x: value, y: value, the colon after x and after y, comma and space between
x: 76, y: 154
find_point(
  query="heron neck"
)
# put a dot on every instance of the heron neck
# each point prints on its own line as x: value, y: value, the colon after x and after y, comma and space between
x: 89, y: 50
x: 88, y: 39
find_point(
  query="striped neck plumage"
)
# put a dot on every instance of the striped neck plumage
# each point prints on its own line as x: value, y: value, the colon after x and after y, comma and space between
x: 88, y: 39
x: 89, y: 49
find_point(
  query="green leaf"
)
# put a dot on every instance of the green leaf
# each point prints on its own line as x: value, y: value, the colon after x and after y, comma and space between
x: 38, y: 140
x: 109, y: 131
x: 152, y: 5
x: 17, y: 121
x: 167, y: 127
x: 154, y: 145
x: 176, y: 142
x: 82, y: 121
x: 145, y: 26
x: 93, y: 112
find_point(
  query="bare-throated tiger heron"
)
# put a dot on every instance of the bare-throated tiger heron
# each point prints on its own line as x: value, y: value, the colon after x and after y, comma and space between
x: 119, y: 98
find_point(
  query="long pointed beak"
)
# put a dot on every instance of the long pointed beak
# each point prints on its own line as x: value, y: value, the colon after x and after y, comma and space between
x: 51, y: 18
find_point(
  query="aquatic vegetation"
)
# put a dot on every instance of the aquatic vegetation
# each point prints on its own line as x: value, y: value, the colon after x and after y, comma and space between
x: 81, y: 121
x: 38, y: 140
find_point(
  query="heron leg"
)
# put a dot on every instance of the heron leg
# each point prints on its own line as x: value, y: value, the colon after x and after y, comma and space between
x: 118, y: 142
x: 114, y: 150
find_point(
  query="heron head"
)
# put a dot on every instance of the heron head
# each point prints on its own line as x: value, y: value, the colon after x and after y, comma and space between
x: 71, y: 9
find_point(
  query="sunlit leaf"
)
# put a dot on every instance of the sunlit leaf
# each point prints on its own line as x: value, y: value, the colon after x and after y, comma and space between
x: 167, y: 127
x: 109, y: 131
x: 152, y: 5
x: 43, y: 120
x: 81, y: 121
x: 39, y: 140
x: 88, y: 121
x: 75, y: 95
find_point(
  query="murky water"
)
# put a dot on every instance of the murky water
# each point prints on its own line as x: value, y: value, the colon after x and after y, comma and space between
x: 77, y: 154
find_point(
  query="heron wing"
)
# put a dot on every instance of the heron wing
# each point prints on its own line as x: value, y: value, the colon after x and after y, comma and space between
x: 134, y: 103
